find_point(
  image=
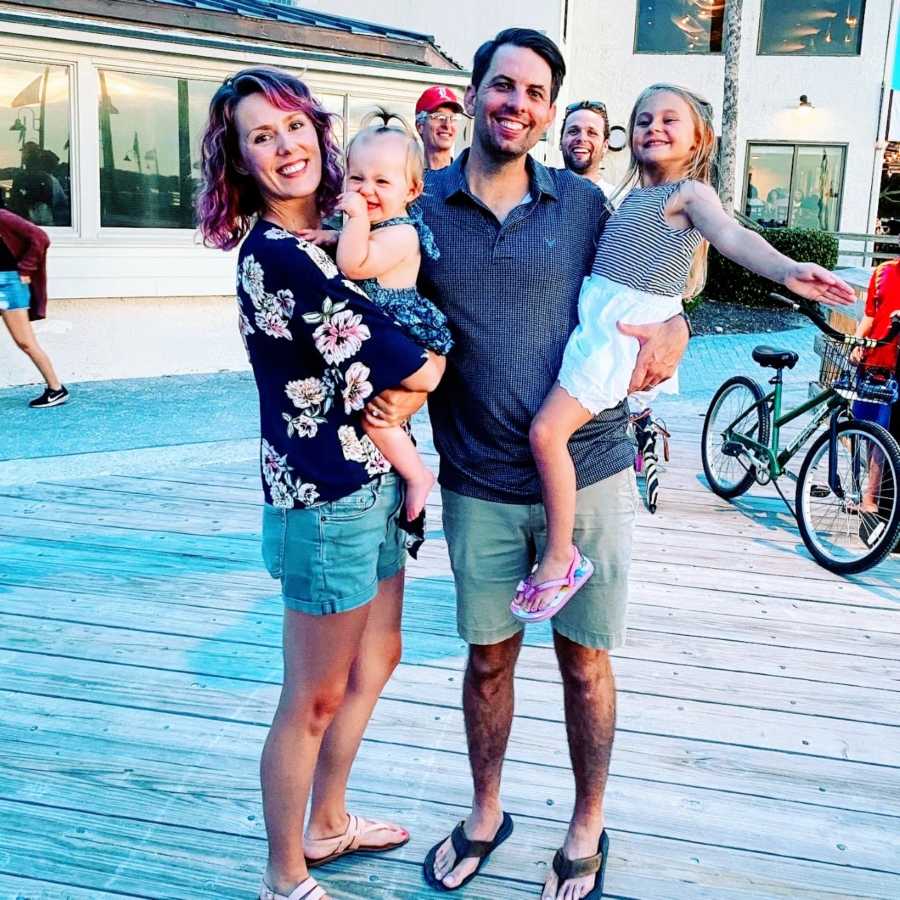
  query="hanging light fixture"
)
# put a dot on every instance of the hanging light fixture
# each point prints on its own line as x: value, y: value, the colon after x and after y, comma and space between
x: 851, y: 20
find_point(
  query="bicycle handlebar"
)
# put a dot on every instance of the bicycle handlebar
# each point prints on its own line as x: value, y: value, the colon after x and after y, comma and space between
x: 810, y: 310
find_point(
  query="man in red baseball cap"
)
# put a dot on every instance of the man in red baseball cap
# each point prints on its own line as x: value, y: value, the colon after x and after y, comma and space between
x: 438, y: 112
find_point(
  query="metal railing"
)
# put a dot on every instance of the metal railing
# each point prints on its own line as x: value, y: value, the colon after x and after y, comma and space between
x: 862, y: 249
x: 868, y: 249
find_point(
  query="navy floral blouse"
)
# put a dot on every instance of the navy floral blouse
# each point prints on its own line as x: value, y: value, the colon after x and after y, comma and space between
x: 320, y: 349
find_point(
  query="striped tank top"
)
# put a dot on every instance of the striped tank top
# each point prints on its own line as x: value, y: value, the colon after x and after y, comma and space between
x: 639, y: 249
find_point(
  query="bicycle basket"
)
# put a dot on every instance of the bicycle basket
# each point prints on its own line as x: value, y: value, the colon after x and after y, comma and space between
x: 837, y: 371
x: 876, y: 386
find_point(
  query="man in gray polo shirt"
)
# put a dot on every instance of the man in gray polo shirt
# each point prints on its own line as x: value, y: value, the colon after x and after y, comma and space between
x: 516, y: 240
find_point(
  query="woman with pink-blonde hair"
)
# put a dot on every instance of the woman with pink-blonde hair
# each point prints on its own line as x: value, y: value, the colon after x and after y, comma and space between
x: 319, y: 349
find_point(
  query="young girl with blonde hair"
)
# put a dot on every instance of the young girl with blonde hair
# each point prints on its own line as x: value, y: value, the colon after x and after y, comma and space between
x: 381, y: 247
x: 651, y: 254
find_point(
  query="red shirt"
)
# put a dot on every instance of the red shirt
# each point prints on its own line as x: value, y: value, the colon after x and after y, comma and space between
x: 882, y: 300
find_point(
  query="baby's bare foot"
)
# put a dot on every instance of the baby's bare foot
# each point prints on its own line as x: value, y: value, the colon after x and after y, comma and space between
x: 417, y: 491
x: 549, y: 569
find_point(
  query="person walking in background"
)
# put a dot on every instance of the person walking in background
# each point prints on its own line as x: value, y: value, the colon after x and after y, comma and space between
x: 23, y: 296
x: 438, y: 112
x: 584, y: 141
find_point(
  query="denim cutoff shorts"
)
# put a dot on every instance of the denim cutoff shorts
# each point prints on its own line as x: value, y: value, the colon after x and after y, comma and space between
x: 331, y: 556
x: 13, y: 294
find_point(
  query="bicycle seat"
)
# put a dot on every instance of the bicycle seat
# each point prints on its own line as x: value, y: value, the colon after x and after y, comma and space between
x: 775, y: 359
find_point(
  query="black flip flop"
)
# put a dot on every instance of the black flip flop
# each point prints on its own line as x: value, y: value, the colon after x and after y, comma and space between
x: 566, y: 868
x: 466, y: 849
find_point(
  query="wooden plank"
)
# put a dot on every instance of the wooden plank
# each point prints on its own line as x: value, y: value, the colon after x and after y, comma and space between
x: 715, y: 641
x: 196, y: 695
x: 247, y: 660
x: 141, y: 633
x: 654, y: 540
x: 130, y: 749
x: 28, y: 887
x: 215, y: 785
x: 246, y: 549
x: 173, y: 861
x: 38, y: 560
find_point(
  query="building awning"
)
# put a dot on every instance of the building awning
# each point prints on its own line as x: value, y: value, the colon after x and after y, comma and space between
x: 266, y: 21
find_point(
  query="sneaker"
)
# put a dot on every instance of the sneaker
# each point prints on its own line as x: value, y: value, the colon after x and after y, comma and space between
x: 50, y: 398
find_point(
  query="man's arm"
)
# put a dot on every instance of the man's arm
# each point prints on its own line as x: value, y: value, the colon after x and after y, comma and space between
x: 662, y: 346
x: 394, y: 406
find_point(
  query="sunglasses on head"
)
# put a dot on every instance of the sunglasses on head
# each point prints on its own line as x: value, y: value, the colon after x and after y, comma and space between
x: 595, y: 105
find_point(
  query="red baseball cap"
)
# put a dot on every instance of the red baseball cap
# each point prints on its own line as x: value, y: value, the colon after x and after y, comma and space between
x: 435, y: 97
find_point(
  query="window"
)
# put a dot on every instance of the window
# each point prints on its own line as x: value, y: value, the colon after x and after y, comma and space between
x: 811, y: 27
x: 34, y: 141
x: 679, y: 26
x: 150, y: 130
x: 798, y: 185
x: 334, y: 103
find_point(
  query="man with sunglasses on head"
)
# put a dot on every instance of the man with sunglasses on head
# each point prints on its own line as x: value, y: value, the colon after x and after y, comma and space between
x: 584, y: 140
x: 438, y: 113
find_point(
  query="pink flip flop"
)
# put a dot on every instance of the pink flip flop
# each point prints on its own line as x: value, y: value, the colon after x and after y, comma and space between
x: 580, y: 569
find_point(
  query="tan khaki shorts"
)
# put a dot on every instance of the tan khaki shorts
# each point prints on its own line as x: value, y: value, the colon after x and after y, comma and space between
x: 494, y: 545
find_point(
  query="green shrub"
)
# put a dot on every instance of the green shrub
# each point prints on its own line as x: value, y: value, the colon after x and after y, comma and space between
x: 727, y: 280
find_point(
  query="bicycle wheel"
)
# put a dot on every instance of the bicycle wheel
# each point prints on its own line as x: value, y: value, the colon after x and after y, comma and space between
x: 728, y: 474
x: 852, y: 533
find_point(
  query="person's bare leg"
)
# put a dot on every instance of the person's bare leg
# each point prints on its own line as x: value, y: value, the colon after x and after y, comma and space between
x: 318, y: 654
x: 19, y: 327
x: 398, y: 449
x: 488, y: 709
x: 378, y: 656
x: 557, y: 420
x: 589, y: 693
x: 872, y: 490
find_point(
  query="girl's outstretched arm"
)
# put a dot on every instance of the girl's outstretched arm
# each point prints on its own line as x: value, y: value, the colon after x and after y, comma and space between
x: 700, y: 204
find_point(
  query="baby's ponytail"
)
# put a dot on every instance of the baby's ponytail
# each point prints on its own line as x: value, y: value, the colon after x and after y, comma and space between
x: 378, y: 122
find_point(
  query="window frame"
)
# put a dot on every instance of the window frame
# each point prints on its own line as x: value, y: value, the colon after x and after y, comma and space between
x: 100, y: 64
x: 797, y: 145
x: 70, y: 64
x: 761, y: 52
x: 637, y: 51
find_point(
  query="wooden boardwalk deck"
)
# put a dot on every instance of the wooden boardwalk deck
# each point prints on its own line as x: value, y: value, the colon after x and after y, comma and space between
x: 758, y: 749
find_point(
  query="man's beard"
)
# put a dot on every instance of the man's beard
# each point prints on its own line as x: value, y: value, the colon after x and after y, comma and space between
x: 576, y: 165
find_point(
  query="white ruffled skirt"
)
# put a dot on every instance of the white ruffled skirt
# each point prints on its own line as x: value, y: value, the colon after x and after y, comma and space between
x: 599, y: 360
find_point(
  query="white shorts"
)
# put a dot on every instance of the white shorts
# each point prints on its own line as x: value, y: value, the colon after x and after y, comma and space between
x: 599, y: 360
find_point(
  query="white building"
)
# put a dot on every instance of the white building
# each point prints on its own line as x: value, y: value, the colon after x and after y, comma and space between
x: 837, y: 53
x: 101, y: 108
x: 133, y: 299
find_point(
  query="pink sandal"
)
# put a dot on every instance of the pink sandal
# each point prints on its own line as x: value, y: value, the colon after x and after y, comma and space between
x: 309, y: 889
x: 580, y: 569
